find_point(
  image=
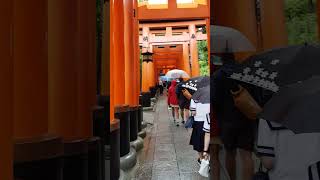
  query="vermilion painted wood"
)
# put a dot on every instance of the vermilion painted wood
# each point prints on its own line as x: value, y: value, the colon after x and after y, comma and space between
x: 136, y: 51
x: 6, y: 90
x: 273, y: 16
x: 194, y: 52
x: 62, y: 61
x: 145, y: 79
x: 186, y: 66
x: 86, y: 66
x: 202, y: 11
x: 72, y: 66
x: 145, y: 67
x: 117, y: 51
x: 107, y: 53
x: 129, y: 54
x: 30, y: 69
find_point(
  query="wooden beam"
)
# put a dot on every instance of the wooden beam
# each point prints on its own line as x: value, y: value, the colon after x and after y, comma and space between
x: 173, y: 12
x: 172, y: 24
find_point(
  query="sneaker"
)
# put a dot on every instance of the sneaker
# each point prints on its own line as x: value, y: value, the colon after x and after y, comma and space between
x: 182, y: 122
x: 177, y: 124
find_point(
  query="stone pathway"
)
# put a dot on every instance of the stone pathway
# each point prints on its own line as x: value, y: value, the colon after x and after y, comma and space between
x: 167, y: 154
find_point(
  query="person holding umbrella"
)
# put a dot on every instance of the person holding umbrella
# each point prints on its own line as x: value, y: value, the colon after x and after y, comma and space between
x: 184, y: 102
x: 236, y: 130
x: 289, y: 130
x: 186, y: 88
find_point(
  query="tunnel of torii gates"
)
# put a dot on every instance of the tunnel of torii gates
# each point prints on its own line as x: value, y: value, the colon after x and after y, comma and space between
x: 174, y: 46
x: 48, y: 76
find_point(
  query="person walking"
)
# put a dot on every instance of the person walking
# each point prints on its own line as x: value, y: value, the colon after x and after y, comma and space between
x: 173, y: 102
x: 236, y: 130
x: 199, y: 112
x: 161, y: 86
x: 184, y: 103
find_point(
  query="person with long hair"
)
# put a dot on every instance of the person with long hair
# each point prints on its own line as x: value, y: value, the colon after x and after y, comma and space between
x: 173, y: 101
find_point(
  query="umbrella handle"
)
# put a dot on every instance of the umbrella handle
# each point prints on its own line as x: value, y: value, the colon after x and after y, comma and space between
x: 235, y: 93
x: 227, y: 46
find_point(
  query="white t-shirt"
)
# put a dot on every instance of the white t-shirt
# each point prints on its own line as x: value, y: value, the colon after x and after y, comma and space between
x: 201, y: 110
x: 296, y: 156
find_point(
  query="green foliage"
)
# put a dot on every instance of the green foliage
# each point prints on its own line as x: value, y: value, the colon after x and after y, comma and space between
x: 301, y: 20
x: 203, y: 58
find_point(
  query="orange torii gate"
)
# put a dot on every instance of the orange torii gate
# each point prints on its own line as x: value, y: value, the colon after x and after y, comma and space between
x: 123, y: 75
x: 48, y: 92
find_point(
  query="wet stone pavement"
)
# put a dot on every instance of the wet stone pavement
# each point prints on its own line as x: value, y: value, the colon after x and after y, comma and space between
x: 167, y: 154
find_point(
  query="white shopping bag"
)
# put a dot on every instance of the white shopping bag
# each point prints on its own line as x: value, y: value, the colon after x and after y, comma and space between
x: 204, y: 168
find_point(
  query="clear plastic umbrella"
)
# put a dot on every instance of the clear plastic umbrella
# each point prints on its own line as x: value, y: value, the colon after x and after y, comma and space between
x: 177, y: 73
x: 226, y: 39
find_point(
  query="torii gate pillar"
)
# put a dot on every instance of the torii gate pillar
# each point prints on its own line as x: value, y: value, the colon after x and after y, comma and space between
x: 6, y: 90
x: 194, y: 52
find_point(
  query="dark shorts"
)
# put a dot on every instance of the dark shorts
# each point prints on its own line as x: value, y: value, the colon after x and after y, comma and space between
x: 235, y: 137
x: 184, y: 104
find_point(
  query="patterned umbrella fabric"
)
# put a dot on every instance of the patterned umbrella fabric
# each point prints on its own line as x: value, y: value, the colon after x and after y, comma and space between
x: 196, y: 82
x: 279, y: 67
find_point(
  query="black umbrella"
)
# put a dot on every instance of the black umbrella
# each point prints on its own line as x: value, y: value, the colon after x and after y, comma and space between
x: 296, y: 107
x: 279, y: 67
x: 195, y: 83
x: 202, y: 95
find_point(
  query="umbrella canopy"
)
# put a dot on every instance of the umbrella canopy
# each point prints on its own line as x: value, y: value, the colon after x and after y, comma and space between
x: 197, y: 82
x: 165, y: 78
x: 279, y: 67
x: 296, y: 107
x: 202, y: 95
x: 226, y: 39
x: 177, y: 73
